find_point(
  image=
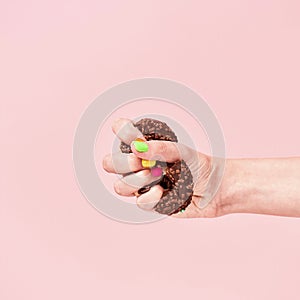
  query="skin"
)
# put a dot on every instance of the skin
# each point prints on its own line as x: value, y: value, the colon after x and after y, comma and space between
x: 261, y: 186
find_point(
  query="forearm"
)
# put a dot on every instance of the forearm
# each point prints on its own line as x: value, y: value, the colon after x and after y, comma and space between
x: 263, y: 186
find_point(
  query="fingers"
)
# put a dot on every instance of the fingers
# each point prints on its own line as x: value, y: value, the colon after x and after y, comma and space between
x: 170, y: 152
x: 129, y: 184
x: 121, y: 163
x: 161, y: 150
x: 148, y: 200
x: 125, y: 131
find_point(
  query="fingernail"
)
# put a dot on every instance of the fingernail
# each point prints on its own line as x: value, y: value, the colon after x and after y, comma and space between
x: 148, y: 163
x: 140, y: 146
x: 140, y: 140
x: 156, y: 172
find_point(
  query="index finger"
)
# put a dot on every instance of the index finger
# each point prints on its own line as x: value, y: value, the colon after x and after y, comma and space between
x: 126, y: 131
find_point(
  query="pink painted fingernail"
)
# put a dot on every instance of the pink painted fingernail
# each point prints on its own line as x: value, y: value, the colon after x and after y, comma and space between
x: 156, y: 172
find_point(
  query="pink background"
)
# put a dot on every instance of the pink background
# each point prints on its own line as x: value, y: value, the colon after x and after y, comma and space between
x: 56, y: 56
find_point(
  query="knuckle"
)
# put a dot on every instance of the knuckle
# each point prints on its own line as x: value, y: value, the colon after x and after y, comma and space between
x: 105, y: 163
x: 117, y: 187
x: 144, y: 204
x: 162, y: 148
x: 134, y: 163
x: 119, y: 124
x: 139, y: 204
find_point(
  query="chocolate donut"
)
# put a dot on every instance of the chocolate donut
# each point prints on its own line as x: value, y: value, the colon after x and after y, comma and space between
x: 177, y: 180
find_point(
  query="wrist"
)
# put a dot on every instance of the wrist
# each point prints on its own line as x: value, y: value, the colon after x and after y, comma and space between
x: 261, y: 186
x: 233, y: 190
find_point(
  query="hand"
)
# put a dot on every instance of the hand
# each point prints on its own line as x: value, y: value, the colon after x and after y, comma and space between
x: 200, y: 165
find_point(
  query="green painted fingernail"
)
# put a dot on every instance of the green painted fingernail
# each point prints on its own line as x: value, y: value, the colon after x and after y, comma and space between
x: 182, y: 210
x: 140, y: 146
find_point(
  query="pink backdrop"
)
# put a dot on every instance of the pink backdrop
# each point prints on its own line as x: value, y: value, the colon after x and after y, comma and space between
x: 56, y: 56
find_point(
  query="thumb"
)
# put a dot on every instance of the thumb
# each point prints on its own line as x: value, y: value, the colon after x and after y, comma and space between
x: 160, y: 150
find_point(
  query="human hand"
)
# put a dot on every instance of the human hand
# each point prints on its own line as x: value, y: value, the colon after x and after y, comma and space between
x: 200, y: 165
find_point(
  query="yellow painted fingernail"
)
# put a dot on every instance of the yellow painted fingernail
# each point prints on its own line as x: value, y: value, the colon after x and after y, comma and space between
x: 148, y: 163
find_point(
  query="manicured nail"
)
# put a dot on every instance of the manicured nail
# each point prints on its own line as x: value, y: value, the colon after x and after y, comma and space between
x: 156, y: 172
x: 182, y: 210
x: 140, y: 140
x: 148, y: 163
x: 140, y: 146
